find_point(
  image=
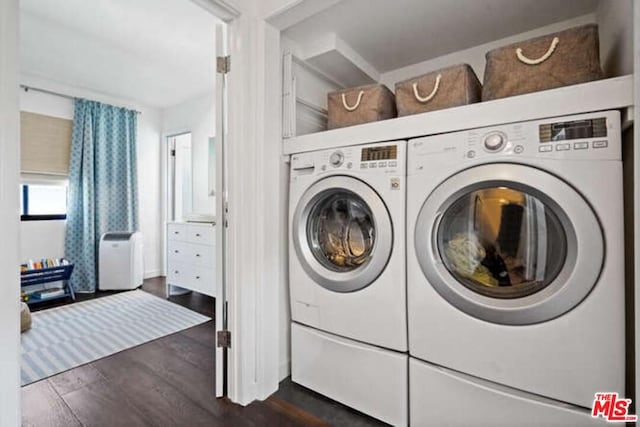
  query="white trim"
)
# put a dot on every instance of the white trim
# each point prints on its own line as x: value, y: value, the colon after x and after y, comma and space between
x: 153, y: 273
x: 636, y: 183
x: 297, y: 11
x: 219, y: 8
x: 255, y: 242
x: 10, y: 409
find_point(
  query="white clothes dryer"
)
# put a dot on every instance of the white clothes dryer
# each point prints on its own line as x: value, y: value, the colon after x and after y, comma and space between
x: 347, y: 276
x: 515, y: 266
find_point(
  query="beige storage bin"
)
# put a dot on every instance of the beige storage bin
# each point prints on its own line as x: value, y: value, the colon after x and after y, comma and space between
x: 560, y: 59
x: 445, y: 88
x: 358, y: 105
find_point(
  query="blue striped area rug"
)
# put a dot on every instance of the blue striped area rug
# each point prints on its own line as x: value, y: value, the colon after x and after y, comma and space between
x: 66, y: 337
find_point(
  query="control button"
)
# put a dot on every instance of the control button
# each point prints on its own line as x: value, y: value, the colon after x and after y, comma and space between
x: 393, y: 164
x: 563, y: 147
x: 471, y: 154
x: 600, y: 144
x: 518, y: 149
x: 364, y: 165
x: 382, y: 164
x: 580, y: 145
x: 545, y: 148
x: 373, y: 165
x: 324, y: 167
x: 336, y: 158
x: 494, y: 141
x: 349, y: 165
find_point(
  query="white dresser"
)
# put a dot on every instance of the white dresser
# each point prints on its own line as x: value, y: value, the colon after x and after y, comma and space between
x: 191, y: 256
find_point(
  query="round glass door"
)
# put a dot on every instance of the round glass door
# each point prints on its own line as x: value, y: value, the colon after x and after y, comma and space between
x: 502, y: 242
x: 504, y: 251
x: 342, y: 233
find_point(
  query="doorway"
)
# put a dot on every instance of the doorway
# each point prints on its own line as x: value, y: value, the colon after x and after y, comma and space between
x: 180, y: 176
x: 141, y: 86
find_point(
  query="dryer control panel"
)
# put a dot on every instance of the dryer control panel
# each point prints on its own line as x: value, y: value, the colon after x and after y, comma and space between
x: 593, y: 136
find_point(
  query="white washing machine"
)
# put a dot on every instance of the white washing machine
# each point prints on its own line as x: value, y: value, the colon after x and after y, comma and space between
x: 515, y: 271
x: 347, y: 276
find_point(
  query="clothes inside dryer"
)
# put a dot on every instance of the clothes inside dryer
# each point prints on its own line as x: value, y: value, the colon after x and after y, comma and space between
x: 341, y: 231
x: 502, y: 242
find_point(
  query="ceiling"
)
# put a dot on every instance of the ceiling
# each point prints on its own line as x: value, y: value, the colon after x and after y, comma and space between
x: 393, y: 34
x: 155, y: 52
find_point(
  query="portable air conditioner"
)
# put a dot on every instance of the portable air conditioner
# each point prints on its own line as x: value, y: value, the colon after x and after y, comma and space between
x: 121, y: 264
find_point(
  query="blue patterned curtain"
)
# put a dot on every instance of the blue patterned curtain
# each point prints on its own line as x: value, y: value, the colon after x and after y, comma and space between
x: 103, y: 187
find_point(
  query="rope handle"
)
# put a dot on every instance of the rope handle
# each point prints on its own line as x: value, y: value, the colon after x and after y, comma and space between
x: 543, y: 58
x: 431, y: 95
x: 355, y: 106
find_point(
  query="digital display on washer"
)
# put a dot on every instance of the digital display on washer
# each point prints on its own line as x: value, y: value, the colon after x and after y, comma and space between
x: 577, y: 129
x: 387, y: 152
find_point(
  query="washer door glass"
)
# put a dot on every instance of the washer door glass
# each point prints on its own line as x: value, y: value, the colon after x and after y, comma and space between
x: 502, y: 242
x: 341, y: 231
x: 509, y: 244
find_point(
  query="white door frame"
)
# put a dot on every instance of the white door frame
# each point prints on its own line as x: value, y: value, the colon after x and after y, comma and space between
x: 255, y: 242
x: 10, y: 411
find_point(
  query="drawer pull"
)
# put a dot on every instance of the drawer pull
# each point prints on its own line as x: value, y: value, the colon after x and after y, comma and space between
x: 197, y: 234
x: 176, y: 272
x: 198, y: 255
x: 176, y: 251
x: 198, y: 277
x: 176, y: 232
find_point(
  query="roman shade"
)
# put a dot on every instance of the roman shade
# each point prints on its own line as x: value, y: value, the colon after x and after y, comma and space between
x: 45, y: 144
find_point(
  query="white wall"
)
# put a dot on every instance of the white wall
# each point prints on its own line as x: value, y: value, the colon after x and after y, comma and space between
x: 9, y: 271
x: 615, y: 21
x: 198, y: 117
x: 149, y: 169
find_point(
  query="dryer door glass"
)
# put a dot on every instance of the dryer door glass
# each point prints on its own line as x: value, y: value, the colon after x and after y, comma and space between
x: 504, y: 251
x: 340, y: 231
x: 502, y: 242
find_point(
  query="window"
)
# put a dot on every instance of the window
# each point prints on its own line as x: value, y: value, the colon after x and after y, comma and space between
x: 41, y: 202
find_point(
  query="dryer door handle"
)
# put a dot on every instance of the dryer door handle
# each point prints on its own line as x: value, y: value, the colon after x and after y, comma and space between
x: 435, y: 253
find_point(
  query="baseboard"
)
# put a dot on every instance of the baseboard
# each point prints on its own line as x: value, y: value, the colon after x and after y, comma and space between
x: 152, y: 273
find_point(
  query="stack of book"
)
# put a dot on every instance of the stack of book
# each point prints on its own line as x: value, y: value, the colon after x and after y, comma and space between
x: 43, y: 263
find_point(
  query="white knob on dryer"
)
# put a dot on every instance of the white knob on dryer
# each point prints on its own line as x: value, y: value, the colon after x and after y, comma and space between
x: 336, y: 158
x: 494, y: 141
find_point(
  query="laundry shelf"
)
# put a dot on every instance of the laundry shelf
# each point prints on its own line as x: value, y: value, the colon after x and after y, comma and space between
x: 607, y: 94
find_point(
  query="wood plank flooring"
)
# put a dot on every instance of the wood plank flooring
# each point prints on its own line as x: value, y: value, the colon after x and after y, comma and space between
x: 169, y: 382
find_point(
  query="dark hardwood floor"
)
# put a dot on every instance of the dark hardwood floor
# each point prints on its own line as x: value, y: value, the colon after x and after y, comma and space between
x: 169, y: 382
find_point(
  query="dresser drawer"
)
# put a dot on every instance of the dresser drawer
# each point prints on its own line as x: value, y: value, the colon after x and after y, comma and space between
x: 178, y: 232
x: 202, y: 255
x: 179, y: 274
x: 202, y: 234
x: 203, y: 280
x: 179, y: 251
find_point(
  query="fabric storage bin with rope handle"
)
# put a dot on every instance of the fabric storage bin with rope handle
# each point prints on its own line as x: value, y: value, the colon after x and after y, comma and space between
x: 561, y: 59
x: 445, y: 88
x: 364, y: 104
